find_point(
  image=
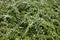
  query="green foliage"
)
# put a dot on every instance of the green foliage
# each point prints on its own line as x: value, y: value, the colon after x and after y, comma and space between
x: 29, y: 19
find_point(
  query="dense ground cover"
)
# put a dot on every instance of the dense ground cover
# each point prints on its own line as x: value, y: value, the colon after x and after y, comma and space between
x: 29, y: 19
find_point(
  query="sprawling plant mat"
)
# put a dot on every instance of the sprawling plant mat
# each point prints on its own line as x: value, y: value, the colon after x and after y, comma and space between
x: 29, y: 19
